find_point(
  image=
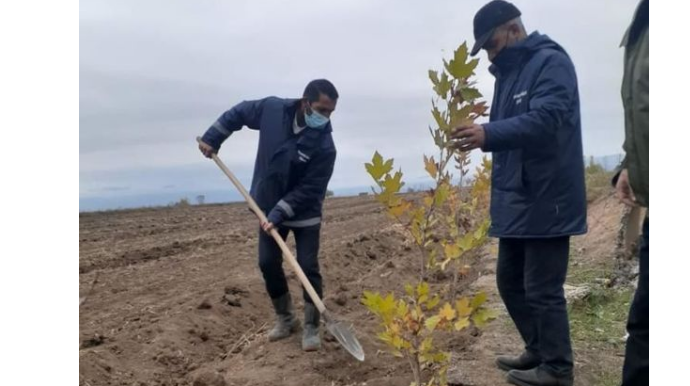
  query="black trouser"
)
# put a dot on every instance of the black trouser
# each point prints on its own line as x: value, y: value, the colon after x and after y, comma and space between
x: 530, y: 276
x: 271, y: 260
x: 636, y: 366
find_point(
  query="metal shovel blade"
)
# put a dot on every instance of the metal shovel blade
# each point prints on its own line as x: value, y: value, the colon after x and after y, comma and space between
x: 345, y: 335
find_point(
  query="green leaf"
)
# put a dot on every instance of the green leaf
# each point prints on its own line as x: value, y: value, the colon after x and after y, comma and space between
x: 470, y: 94
x: 432, y: 322
x: 478, y: 300
x: 409, y: 290
x: 433, y: 75
x: 458, y: 67
x: 481, y: 317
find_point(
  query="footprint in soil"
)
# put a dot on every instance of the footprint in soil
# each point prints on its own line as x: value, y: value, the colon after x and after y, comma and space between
x: 233, y: 296
x: 97, y: 340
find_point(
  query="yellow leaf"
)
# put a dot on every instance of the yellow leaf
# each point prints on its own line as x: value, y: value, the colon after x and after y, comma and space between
x: 447, y: 312
x: 419, y: 215
x: 392, y: 184
x: 431, y: 167
x: 437, y: 135
x: 444, y: 86
x: 401, y: 311
x: 377, y: 168
x: 441, y: 357
x: 384, y: 197
x: 441, y: 194
x: 426, y: 346
x: 422, y: 289
x: 480, y: 233
x: 440, y: 118
x: 399, y: 210
x: 394, y: 200
x: 461, y: 117
x: 486, y: 163
x: 462, y: 323
x: 397, y: 342
x: 466, y: 242
x: 452, y: 251
x: 416, y: 233
x: 463, y: 307
x: 426, y: 358
x: 385, y: 337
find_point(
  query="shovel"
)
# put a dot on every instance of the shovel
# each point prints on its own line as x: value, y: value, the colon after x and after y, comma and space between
x: 342, y: 332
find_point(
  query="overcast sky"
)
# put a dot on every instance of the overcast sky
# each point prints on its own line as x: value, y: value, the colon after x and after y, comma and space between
x: 155, y: 74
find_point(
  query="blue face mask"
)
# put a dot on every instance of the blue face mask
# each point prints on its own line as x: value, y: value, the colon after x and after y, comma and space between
x: 315, y: 120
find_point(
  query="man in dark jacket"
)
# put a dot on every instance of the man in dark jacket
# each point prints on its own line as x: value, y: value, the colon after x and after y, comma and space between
x: 538, y: 188
x: 632, y: 185
x: 293, y: 165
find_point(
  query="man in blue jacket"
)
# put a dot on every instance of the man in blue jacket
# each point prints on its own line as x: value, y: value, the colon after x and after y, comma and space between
x: 293, y: 165
x: 538, y: 189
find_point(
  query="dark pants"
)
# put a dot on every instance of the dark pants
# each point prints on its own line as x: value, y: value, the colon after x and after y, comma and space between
x: 530, y: 276
x: 271, y: 260
x: 636, y: 366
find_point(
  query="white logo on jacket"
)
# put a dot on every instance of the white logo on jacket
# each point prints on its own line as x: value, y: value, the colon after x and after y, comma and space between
x: 518, y: 97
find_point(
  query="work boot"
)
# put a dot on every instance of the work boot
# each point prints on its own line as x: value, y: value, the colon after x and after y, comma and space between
x: 286, y: 322
x: 310, y: 337
x: 538, y: 377
x: 525, y: 361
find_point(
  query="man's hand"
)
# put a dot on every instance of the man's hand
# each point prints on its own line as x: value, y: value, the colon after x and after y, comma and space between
x: 207, y: 150
x: 624, y: 191
x: 267, y: 226
x: 468, y: 138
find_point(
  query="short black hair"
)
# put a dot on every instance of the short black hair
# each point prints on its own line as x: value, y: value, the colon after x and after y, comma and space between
x: 320, y: 86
